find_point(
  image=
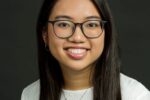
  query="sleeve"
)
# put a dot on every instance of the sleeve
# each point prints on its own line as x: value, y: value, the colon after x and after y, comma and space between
x: 31, y: 92
x: 141, y: 92
x: 136, y: 91
x: 145, y: 96
x: 132, y: 89
x: 23, y: 96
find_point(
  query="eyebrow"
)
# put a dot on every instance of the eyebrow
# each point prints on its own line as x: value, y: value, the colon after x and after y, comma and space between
x: 63, y: 16
x: 90, y: 17
x: 68, y: 17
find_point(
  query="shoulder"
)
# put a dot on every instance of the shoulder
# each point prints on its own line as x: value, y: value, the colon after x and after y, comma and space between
x: 131, y: 89
x: 31, y: 92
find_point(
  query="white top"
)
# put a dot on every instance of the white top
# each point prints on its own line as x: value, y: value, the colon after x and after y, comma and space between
x: 131, y: 89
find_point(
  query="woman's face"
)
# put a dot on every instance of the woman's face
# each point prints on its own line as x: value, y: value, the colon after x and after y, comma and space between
x: 76, y: 52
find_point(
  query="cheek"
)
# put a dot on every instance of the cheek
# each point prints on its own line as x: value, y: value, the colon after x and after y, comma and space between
x: 98, y: 46
x: 55, y: 45
x: 53, y: 42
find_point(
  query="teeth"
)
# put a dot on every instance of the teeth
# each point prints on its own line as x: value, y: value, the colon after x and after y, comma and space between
x: 77, y: 51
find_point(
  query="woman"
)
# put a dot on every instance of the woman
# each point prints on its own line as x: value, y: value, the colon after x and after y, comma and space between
x: 78, y: 55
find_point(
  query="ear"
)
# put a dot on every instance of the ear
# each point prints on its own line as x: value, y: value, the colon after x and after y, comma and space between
x: 45, y: 37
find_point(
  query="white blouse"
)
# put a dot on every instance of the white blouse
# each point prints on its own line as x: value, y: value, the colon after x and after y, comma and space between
x: 131, y: 89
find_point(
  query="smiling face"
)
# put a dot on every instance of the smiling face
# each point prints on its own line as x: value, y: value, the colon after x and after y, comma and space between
x: 76, y: 52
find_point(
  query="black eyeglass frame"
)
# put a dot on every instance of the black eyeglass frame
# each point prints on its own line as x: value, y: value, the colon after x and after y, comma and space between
x: 102, y: 23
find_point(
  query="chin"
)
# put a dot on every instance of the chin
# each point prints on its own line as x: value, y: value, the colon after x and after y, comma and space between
x: 80, y: 66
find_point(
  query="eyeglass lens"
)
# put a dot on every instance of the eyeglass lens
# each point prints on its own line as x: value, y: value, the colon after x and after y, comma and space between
x: 65, y: 29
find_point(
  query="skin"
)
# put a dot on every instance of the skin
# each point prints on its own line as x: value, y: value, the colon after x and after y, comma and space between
x: 76, y: 72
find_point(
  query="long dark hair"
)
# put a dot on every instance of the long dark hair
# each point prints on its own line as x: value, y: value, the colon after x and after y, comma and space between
x: 106, y: 75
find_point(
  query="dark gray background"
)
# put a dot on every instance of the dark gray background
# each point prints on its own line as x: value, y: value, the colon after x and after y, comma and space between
x: 18, y: 53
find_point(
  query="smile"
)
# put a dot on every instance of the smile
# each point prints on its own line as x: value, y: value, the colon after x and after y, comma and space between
x: 76, y: 53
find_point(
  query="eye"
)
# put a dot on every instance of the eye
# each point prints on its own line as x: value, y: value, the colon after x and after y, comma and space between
x: 92, y: 24
x: 62, y: 24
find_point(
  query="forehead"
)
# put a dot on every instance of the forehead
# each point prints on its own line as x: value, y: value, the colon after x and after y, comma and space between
x: 76, y: 9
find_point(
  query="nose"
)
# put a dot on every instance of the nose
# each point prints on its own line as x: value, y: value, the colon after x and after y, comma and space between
x: 78, y: 36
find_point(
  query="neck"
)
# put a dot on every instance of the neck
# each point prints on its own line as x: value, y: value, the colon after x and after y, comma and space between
x: 76, y: 80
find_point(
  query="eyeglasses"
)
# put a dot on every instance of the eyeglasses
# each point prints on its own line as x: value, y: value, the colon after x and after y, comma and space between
x: 66, y: 28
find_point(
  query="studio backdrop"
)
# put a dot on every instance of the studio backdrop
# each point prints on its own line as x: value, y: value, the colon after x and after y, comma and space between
x: 18, y: 48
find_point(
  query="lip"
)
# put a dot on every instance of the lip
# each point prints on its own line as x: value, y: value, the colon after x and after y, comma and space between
x: 77, y: 47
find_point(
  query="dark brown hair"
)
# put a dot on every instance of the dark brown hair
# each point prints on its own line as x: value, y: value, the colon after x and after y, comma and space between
x: 106, y: 76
